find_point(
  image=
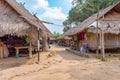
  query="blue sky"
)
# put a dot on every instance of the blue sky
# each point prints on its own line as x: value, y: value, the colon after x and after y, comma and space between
x: 55, y: 11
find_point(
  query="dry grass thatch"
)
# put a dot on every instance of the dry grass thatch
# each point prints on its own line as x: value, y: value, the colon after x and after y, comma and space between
x: 66, y: 33
x: 25, y: 14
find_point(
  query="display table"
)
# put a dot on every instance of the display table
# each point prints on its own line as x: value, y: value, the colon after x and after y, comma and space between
x: 17, y: 48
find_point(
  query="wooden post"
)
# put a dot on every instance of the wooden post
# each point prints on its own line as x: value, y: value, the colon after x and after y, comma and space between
x: 102, y: 43
x: 103, y: 51
x: 30, y: 44
x: 38, y: 45
x: 30, y: 50
x: 17, y: 52
x: 97, y: 35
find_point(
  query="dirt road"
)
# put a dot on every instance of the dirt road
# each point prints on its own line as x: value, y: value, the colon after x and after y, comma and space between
x: 65, y: 66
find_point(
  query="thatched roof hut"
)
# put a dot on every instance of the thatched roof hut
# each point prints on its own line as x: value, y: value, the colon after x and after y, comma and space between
x: 107, y: 12
x: 108, y: 21
x: 16, y: 19
x: 64, y: 39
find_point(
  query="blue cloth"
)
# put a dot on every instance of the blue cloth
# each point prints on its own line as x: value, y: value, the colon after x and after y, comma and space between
x: 85, y: 45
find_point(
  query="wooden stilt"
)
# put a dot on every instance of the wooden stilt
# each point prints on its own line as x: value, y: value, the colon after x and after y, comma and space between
x: 17, y: 52
x: 30, y: 50
x: 103, y: 50
x: 30, y: 45
x: 101, y: 41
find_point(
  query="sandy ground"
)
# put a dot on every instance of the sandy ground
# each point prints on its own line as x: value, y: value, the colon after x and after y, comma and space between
x: 63, y: 66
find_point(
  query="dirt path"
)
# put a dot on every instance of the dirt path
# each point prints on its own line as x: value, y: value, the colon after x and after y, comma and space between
x: 66, y: 55
x: 65, y: 66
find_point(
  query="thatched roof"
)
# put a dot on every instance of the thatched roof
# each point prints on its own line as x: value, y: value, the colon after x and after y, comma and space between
x: 49, y: 34
x: 24, y: 13
x: 86, y: 23
x: 18, y: 29
x: 65, y: 35
x: 26, y: 17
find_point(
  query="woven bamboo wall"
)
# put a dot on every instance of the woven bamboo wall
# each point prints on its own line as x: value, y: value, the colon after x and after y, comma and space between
x: 111, y: 41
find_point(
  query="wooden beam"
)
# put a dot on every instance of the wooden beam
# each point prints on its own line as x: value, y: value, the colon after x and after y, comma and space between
x: 110, y: 20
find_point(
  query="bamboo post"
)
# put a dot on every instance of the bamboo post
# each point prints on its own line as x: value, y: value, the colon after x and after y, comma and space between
x: 103, y: 50
x: 97, y: 35
x: 102, y: 43
x: 30, y: 50
x: 30, y: 46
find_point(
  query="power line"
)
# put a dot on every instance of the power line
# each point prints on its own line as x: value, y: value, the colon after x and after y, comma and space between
x: 57, y: 25
x: 52, y: 23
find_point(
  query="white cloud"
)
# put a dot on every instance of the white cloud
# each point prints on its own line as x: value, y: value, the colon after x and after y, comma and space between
x: 50, y: 12
x: 70, y: 1
x: 54, y: 13
x: 41, y: 4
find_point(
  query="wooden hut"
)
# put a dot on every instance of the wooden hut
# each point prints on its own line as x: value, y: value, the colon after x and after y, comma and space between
x: 15, y: 19
x: 108, y: 23
x: 64, y: 40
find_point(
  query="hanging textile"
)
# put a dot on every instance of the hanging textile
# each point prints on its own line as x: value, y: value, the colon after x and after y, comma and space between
x: 81, y: 35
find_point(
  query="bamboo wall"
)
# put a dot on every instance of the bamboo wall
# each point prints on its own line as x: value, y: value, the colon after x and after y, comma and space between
x: 111, y: 41
x: 91, y: 40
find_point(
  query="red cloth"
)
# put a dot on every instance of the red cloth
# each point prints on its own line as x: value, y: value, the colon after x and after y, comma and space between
x: 81, y: 35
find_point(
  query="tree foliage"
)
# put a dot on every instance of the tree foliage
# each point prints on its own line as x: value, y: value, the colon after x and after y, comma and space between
x: 56, y: 34
x: 82, y: 9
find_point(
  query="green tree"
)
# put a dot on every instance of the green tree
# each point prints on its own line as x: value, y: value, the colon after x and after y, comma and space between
x: 67, y: 25
x: 56, y: 34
